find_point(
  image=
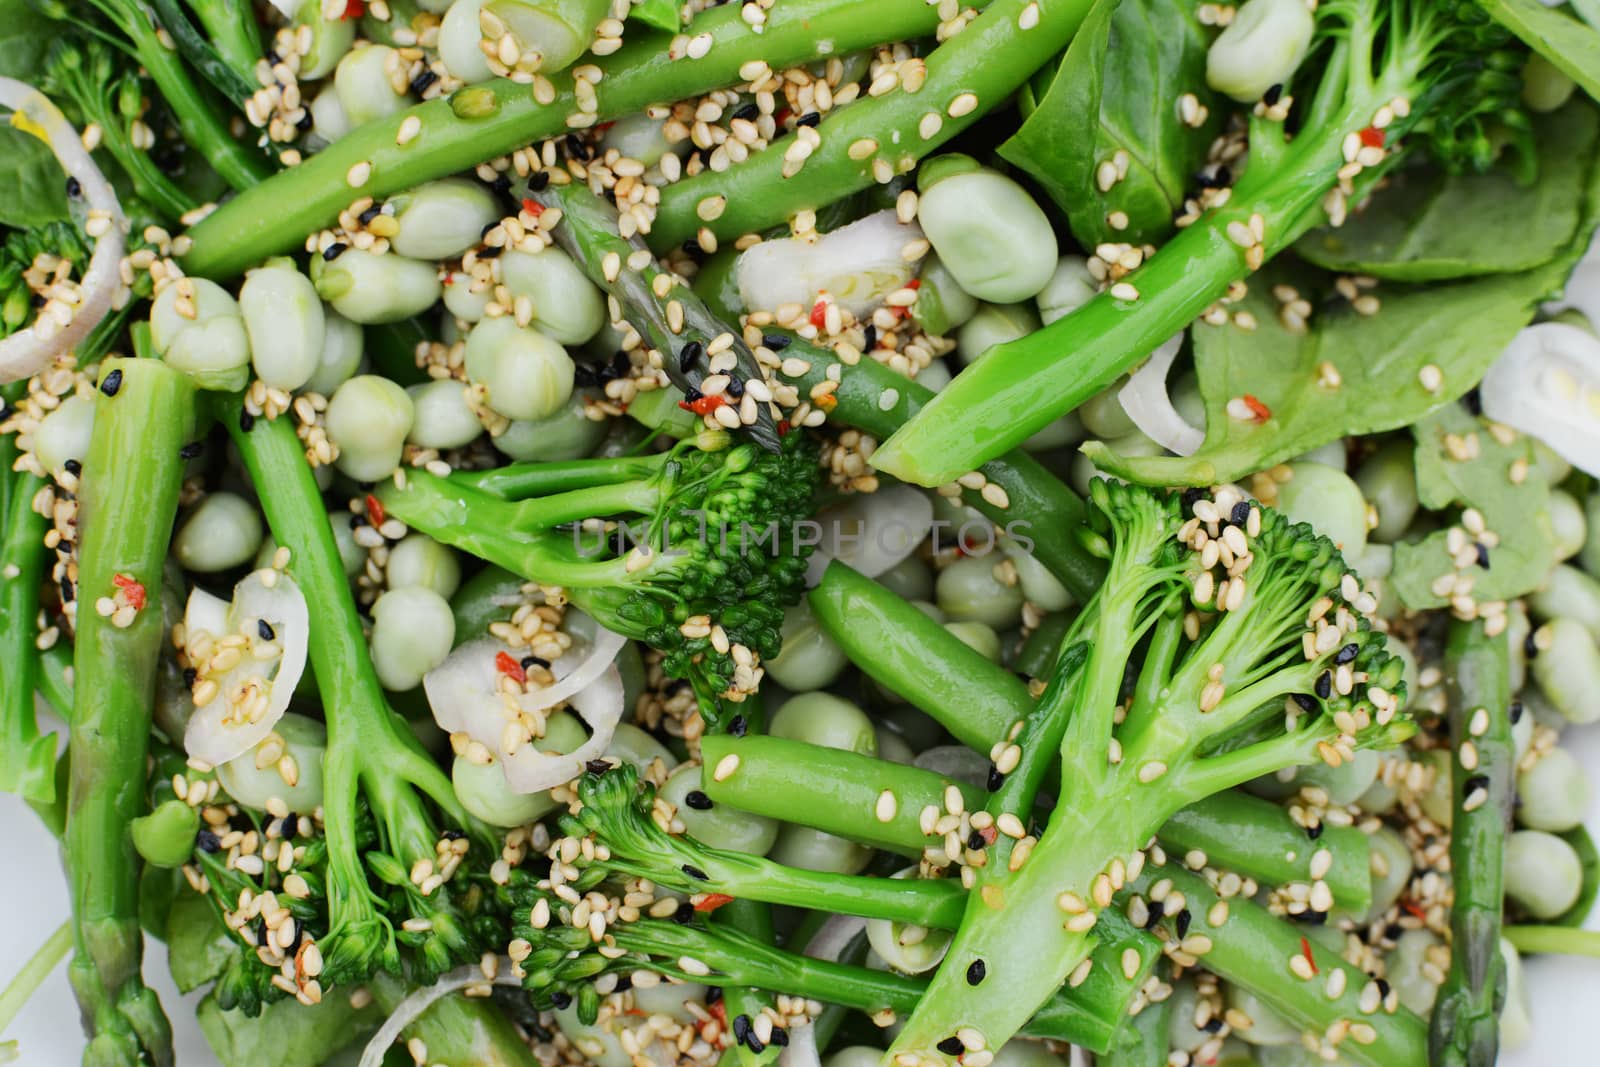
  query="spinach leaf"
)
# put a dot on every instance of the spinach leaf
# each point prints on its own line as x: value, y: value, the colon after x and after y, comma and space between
x: 33, y: 188
x: 1589, y: 858
x: 1117, y: 90
x: 1461, y: 460
x: 1425, y: 225
x: 1460, y: 328
x: 25, y: 37
x: 286, y: 1033
x: 198, y: 946
x: 1571, y: 46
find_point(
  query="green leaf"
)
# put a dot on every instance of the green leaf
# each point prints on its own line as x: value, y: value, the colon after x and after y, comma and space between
x: 25, y: 37
x: 1459, y: 461
x: 662, y: 14
x: 1117, y: 90
x: 198, y: 947
x: 286, y: 1033
x: 1589, y: 858
x: 33, y: 187
x: 1571, y: 46
x: 1460, y: 328
x: 1425, y: 225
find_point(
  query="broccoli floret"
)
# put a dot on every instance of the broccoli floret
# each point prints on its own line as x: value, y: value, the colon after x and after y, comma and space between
x: 696, y: 551
x: 1225, y: 643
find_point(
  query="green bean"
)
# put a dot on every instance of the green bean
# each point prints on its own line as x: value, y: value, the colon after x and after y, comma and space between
x: 1543, y: 874
x: 482, y: 122
x: 1568, y: 669
x: 368, y: 419
x: 1388, y: 480
x: 1260, y: 48
x: 221, y: 533
x: 1464, y: 1028
x: 285, y: 323
x: 128, y: 498
x: 442, y: 219
x: 413, y: 631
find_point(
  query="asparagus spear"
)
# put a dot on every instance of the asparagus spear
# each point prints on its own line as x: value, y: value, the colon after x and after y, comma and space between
x: 27, y: 758
x: 1465, y: 1030
x: 128, y: 500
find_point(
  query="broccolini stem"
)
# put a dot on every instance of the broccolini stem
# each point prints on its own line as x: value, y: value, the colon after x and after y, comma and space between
x: 27, y: 758
x: 1256, y: 951
x: 481, y: 122
x: 967, y: 76
x: 127, y: 502
x: 1466, y: 1017
x: 518, y: 481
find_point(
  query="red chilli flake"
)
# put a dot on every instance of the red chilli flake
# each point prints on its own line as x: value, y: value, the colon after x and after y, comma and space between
x: 506, y: 665
x: 1305, y: 950
x: 783, y: 427
x: 704, y: 405
x: 1257, y: 408
x: 132, y: 590
x: 1372, y: 137
x: 819, y: 314
x: 375, y: 512
x: 353, y: 9
x: 532, y: 207
x: 989, y: 835
x: 710, y: 902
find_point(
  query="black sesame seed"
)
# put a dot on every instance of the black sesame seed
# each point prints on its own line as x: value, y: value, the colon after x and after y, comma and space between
x: 490, y: 252
x: 776, y: 341
x: 697, y: 801
x: 1347, y: 653
x: 1240, y: 513
x: 191, y: 450
x: 1314, y: 831
x: 1516, y: 712
x: 207, y: 841
x: 746, y: 111
x: 453, y: 835
x: 597, y: 766
x: 421, y: 82
x: 1181, y: 923
x: 65, y: 586
x: 501, y: 185
x: 691, y: 394
x: 689, y: 355
x: 74, y: 188
x: 753, y: 1043
x: 692, y: 248
x: 1474, y: 401
x: 624, y: 983
x: 1325, y: 685
x: 538, y: 181
x: 714, y: 995
x: 1483, y: 554
x: 996, y: 779
x: 1316, y: 918
x: 247, y: 421
x: 1273, y: 94
x: 1530, y: 648
x: 810, y: 118
x: 1212, y: 1025
x: 1383, y: 988
x: 372, y: 212
x: 530, y: 662
x: 1477, y: 781
x: 869, y: 337
x: 1191, y: 497
x: 264, y: 628
x: 190, y: 675
x: 1393, y: 931
x: 111, y: 382
x: 738, y: 727
x: 976, y: 972
x: 780, y: 1037
x: 696, y: 873
x: 1306, y: 701
x: 975, y: 841
x: 951, y: 1046
x: 334, y: 251
x: 735, y: 387
x: 305, y: 121
x: 73, y: 467
x: 1223, y: 175
x: 1156, y: 915
x: 561, y: 999
x: 584, y: 377
x: 358, y: 521
x: 741, y: 1028
x: 684, y: 915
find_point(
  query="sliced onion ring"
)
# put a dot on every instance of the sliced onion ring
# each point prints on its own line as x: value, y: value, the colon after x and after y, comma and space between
x: 1547, y: 385
x: 411, y: 1008
x: 1149, y: 405
x: 283, y: 607
x: 600, y: 705
x: 872, y: 532
x: 857, y: 265
x: 27, y: 352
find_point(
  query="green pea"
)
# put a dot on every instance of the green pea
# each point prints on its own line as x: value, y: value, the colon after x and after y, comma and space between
x: 597, y: 1042
x: 968, y: 591
x: 482, y: 790
x: 567, y: 434
x: 165, y: 837
x: 1437, y: 802
x: 1517, y: 630
x: 1537, y: 706
x: 827, y: 720
x: 210, y: 345
x: 1346, y: 782
x: 1569, y: 593
x: 1522, y: 729
x: 283, y: 319
x: 368, y: 419
x: 444, y: 420
x: 813, y: 850
x: 369, y: 288
x: 1182, y: 1034
x: 1186, y: 398
x: 809, y: 658
x: 936, y: 375
x: 979, y: 637
x: 1543, y: 873
x: 413, y: 631
x: 362, y: 82
x: 1412, y: 950
x: 893, y: 747
x: 1103, y: 416
x: 1516, y: 1016
x: 1070, y: 287
x: 527, y: 374
x: 942, y: 304
x: 908, y: 949
x: 1066, y: 430
x: 1041, y: 588
x: 442, y: 219
x: 63, y: 435
x: 1567, y: 669
x: 465, y: 300
x: 330, y: 40
x: 1551, y: 463
x: 557, y: 33
x: 719, y: 826
x: 1260, y: 48
x: 1267, y: 1027
x: 855, y: 1056
x: 1391, y: 863
x: 1545, y: 88
x: 992, y: 237
x: 994, y: 324
x: 670, y: 997
x: 328, y: 120
x: 1388, y: 479
x: 222, y: 532
x: 1297, y: 1056
x: 343, y: 344
x: 567, y: 306
x: 641, y: 136
x: 638, y: 749
x: 419, y: 560
x: 1554, y: 793
x: 1329, y: 500
x: 1332, y: 454
x: 1020, y: 1052
x: 304, y: 739
x: 1569, y: 528
x: 1380, y: 797
x: 911, y: 579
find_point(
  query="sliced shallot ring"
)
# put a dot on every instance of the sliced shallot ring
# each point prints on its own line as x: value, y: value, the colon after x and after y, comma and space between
x: 1148, y: 403
x: 888, y: 525
x: 600, y: 705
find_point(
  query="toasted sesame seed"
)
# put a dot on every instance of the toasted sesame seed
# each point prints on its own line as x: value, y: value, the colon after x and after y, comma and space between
x: 1124, y: 291
x: 711, y: 207
x: 1301, y: 967
x: 726, y: 767
x: 964, y: 104
x: 358, y: 175
x: 887, y: 806
x: 1131, y: 962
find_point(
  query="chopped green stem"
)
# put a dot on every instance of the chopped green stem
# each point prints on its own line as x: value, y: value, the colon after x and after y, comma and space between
x: 1018, y: 387
x: 27, y: 758
x: 481, y: 122
x: 878, y: 400
x: 1554, y: 940
x: 128, y: 500
x: 966, y: 79
x: 1254, y: 949
x: 518, y: 481
x: 203, y: 53
x: 1466, y: 1017
x: 33, y: 973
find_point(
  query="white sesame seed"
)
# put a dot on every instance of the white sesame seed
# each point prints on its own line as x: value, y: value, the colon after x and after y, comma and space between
x: 964, y: 104
x: 887, y: 806
x: 1151, y: 771
x: 1431, y: 377
x: 726, y: 767
x: 1124, y: 291
x: 358, y: 175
